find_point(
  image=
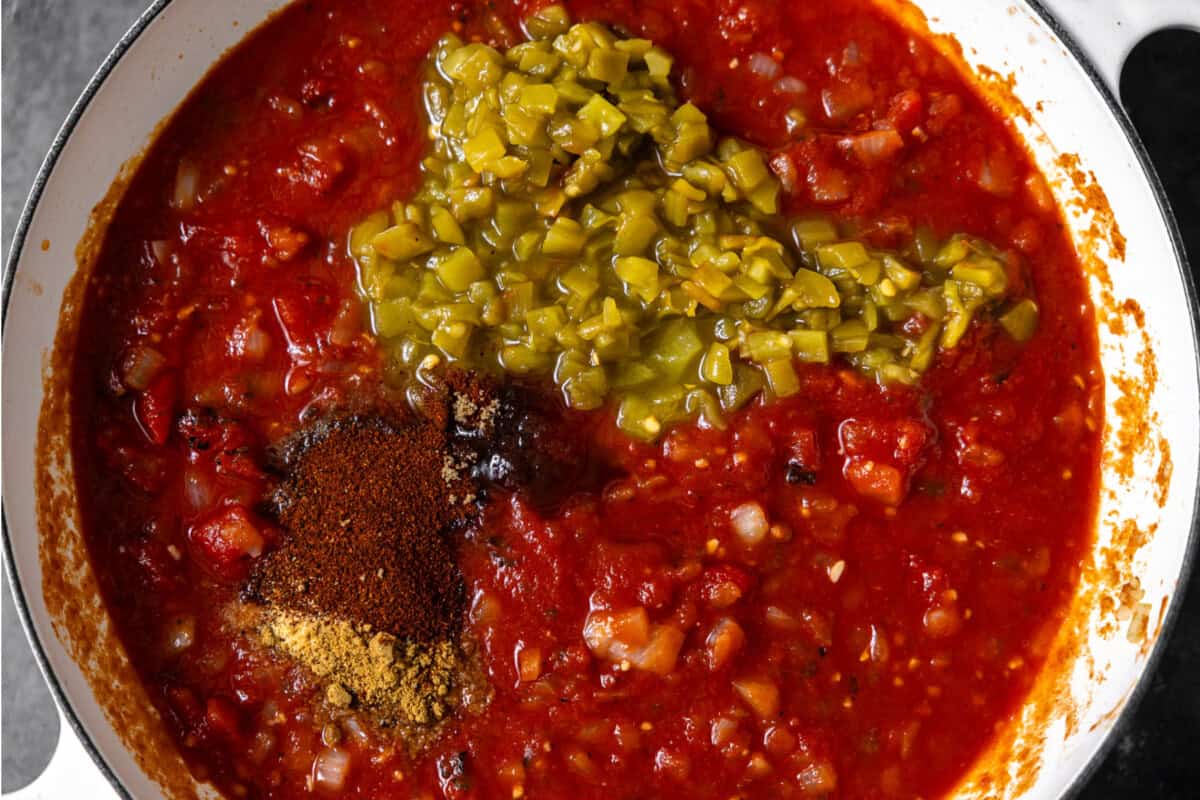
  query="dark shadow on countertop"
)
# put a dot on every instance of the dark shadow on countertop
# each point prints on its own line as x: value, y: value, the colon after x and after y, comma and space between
x: 51, y: 48
x: 1156, y: 755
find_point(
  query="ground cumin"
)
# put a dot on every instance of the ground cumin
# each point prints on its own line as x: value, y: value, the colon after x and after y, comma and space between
x: 411, y: 679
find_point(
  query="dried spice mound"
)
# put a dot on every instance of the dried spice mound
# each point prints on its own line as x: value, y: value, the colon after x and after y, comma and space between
x: 364, y: 589
x: 367, y: 507
x: 376, y: 669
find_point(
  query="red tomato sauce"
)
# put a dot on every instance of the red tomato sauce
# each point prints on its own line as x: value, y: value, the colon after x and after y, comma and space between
x: 857, y: 648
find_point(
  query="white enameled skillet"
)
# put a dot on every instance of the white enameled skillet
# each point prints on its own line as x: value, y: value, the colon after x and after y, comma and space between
x: 1062, y: 58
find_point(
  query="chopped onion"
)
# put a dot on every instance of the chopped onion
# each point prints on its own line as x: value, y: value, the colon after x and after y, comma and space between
x: 485, y: 608
x: 615, y: 635
x: 330, y: 768
x: 828, y: 184
x: 248, y: 340
x: 764, y: 66
x: 843, y: 100
x: 722, y: 730
x: 762, y: 696
x: 661, y: 652
x: 795, y: 120
x: 140, y: 365
x: 161, y: 248
x: 785, y: 169
x: 256, y: 344
x: 187, y: 178
x: 723, y: 642
x: 790, y: 84
x: 198, y: 488
x: 356, y: 730
x: 346, y: 325
x: 779, y: 619
x: 996, y: 175
x: 627, y: 638
x: 723, y: 594
x: 529, y: 663
x: 872, y: 147
x: 749, y: 523
x: 818, y: 778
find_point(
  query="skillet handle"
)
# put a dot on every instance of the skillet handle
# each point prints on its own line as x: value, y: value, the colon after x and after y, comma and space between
x: 1108, y: 29
x: 71, y: 773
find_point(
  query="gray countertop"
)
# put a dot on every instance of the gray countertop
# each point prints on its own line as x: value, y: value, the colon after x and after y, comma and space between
x: 51, y: 48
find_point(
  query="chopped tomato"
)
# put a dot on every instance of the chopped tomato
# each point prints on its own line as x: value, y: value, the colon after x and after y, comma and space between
x: 320, y: 166
x: 905, y: 110
x: 803, y: 449
x: 943, y: 110
x: 285, y: 241
x: 875, y: 480
x: 227, y: 540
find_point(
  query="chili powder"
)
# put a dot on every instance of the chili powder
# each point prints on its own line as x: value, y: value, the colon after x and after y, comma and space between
x: 367, y: 503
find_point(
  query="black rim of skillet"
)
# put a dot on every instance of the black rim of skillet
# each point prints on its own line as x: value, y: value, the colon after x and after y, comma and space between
x: 1114, y: 108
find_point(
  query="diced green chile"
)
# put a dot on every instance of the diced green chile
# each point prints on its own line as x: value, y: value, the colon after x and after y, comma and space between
x: 576, y: 221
